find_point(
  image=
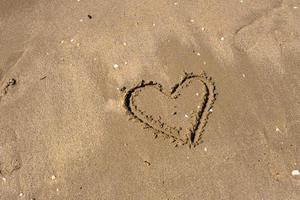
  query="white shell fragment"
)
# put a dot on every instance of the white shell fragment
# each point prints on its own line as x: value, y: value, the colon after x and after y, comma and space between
x: 296, y: 172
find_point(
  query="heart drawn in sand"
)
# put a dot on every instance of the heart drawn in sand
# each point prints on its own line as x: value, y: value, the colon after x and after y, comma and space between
x: 180, y: 114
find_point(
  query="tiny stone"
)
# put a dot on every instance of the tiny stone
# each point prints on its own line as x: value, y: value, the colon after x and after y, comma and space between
x: 21, y: 194
x: 125, y: 63
x: 222, y: 38
x: 296, y: 172
x: 176, y: 3
x: 53, y: 177
x: 277, y: 129
x: 198, y: 54
x: 204, y: 63
x: 197, y: 94
x: 295, y: 7
x: 72, y: 40
x: 186, y: 116
x: 202, y: 29
x: 116, y: 66
x: 153, y: 24
x: 124, y: 43
x: 81, y: 20
x: 205, y: 149
x: 210, y: 110
x: 244, y: 75
x: 57, y: 190
x: 3, y: 179
x: 192, y: 20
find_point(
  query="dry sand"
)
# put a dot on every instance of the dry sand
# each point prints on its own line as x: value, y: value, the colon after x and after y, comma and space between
x: 67, y: 74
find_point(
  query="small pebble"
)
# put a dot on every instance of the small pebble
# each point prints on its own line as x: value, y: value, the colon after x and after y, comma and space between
x: 3, y: 179
x: 81, y: 20
x: 153, y: 24
x: 197, y: 94
x: 124, y: 43
x: 202, y: 29
x: 62, y: 41
x: 116, y: 66
x: 72, y: 40
x: 243, y: 75
x: 277, y: 129
x: 204, y: 63
x: 241, y: 1
x: 295, y: 7
x: 125, y: 63
x: 192, y: 20
x: 210, y: 110
x: 222, y: 38
x: 21, y: 194
x: 53, y: 177
x: 205, y: 149
x: 186, y: 116
x: 175, y: 3
x: 296, y: 172
x: 198, y: 54
x: 57, y: 190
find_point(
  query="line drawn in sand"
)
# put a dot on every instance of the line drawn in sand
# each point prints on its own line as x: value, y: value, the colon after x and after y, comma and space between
x: 180, y: 131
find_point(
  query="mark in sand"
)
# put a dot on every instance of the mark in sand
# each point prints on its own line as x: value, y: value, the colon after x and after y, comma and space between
x: 150, y: 104
x: 10, y: 158
x: 10, y: 83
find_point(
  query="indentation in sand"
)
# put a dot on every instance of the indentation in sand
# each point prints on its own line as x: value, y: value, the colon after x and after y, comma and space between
x: 179, y: 115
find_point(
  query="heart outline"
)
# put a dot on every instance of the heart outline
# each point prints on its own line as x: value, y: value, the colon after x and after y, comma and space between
x: 194, y: 137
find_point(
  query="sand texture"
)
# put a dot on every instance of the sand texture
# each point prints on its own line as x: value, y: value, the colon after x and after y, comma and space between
x: 149, y: 99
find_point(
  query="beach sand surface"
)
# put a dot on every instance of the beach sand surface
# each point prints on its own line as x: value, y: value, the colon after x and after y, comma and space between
x: 66, y: 68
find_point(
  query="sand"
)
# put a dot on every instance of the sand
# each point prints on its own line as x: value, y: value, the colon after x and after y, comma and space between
x: 95, y: 102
